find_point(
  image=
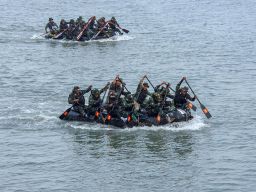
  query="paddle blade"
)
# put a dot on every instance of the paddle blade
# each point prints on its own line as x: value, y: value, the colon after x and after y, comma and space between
x: 63, y: 115
x: 58, y: 35
x: 205, y: 111
x: 158, y: 118
x: 125, y: 30
x: 191, y: 106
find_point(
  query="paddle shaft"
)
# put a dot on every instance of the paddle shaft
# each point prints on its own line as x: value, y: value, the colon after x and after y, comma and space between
x: 150, y: 82
x: 99, y: 31
x: 193, y: 92
x: 85, y: 27
x: 124, y: 30
x: 123, y: 84
x: 99, y: 109
x: 57, y: 36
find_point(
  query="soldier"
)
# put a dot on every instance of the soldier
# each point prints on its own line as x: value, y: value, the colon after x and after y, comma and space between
x: 181, y: 96
x: 114, y: 105
x: 76, y: 98
x: 165, y: 94
x: 72, y: 30
x: 92, y: 28
x: 113, y: 25
x: 63, y: 25
x: 95, y: 101
x: 52, y: 26
x: 155, y: 105
x: 142, y: 93
x: 117, y: 86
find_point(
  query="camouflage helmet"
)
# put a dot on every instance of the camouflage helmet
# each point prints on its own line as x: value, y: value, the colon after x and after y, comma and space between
x: 156, y: 96
x: 95, y: 93
x: 129, y: 98
x: 76, y: 88
x: 185, y: 88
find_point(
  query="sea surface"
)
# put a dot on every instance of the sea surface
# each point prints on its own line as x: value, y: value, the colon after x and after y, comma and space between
x: 212, y: 43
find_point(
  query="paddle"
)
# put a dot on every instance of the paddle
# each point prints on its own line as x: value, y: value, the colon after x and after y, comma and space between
x: 158, y: 117
x: 122, y: 83
x: 84, y: 28
x: 65, y: 113
x: 99, y: 110
x: 204, y: 109
x: 57, y: 36
x: 96, y: 35
x: 124, y: 30
x: 44, y: 34
x: 189, y: 105
x: 150, y: 82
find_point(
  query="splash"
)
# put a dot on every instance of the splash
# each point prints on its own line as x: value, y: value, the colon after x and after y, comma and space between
x: 115, y: 38
x: 38, y: 36
x: 196, y: 124
x: 111, y: 39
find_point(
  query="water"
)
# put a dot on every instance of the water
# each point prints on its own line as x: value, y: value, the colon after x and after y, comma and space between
x: 211, y: 43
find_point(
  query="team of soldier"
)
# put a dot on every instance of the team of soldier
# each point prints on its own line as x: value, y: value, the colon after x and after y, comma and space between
x: 120, y: 102
x: 81, y: 30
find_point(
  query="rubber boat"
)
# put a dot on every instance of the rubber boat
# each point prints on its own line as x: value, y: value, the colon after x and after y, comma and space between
x: 176, y: 115
x: 99, y: 37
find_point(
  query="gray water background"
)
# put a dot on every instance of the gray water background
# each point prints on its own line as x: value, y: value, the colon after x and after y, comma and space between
x: 212, y: 43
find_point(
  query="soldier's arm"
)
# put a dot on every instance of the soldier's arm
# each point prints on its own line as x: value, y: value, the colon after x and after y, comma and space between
x: 105, y: 88
x: 46, y: 27
x: 157, y: 87
x: 71, y: 99
x: 86, y: 90
x: 55, y: 25
x: 190, y: 98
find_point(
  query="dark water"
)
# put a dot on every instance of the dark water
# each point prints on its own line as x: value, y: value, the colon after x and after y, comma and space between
x: 211, y: 43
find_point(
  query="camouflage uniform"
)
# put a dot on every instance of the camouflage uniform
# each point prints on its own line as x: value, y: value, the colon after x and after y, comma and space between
x: 113, y: 26
x: 155, y: 105
x: 180, y: 100
x: 50, y: 25
x: 95, y: 101
x: 165, y: 94
x: 128, y: 105
x: 72, y: 30
x: 114, y: 105
x: 142, y: 94
x: 78, y: 95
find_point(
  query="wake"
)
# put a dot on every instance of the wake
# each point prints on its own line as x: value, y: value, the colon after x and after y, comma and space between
x: 40, y: 37
x: 193, y: 125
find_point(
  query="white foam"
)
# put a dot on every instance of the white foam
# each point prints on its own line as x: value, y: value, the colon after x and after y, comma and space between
x: 196, y: 124
x: 114, y: 38
x: 38, y: 36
